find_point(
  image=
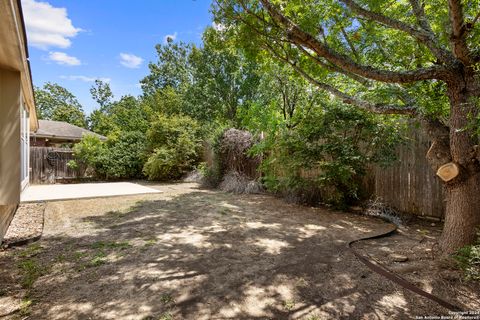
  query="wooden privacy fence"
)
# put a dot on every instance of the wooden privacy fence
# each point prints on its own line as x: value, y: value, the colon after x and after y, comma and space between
x: 410, y: 185
x: 49, y: 165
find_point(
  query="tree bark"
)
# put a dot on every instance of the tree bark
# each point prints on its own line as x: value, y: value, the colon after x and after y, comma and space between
x: 462, y: 217
x: 462, y: 214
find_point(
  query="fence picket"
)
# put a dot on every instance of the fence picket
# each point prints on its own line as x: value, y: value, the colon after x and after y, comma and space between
x: 49, y: 165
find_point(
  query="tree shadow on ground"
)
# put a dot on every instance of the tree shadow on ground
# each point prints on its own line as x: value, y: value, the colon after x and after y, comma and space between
x: 210, y: 255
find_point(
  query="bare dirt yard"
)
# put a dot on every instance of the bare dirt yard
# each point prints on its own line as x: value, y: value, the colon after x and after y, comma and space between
x: 191, y: 253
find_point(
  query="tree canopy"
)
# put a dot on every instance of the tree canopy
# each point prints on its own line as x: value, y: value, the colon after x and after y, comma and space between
x: 404, y: 57
x: 54, y: 102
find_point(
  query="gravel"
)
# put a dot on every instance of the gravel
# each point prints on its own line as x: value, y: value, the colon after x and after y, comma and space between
x: 27, y: 225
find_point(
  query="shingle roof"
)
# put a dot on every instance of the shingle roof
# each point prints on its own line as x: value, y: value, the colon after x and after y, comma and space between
x: 61, y: 130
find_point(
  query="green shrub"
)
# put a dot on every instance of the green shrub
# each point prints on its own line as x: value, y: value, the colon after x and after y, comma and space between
x: 120, y: 157
x: 86, y: 152
x: 468, y: 259
x: 123, y: 156
x: 324, y: 158
x: 175, y: 144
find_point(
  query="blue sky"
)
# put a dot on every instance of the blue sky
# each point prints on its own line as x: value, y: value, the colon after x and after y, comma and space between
x: 73, y: 42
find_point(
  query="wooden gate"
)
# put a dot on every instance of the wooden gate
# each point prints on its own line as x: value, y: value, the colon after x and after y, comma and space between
x: 49, y: 165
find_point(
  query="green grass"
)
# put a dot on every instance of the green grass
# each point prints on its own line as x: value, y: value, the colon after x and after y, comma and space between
x: 468, y: 260
x: 111, y: 245
x: 78, y: 255
x: 289, y: 305
x: 98, y: 259
x: 25, y: 307
x: 61, y: 258
x: 150, y: 242
x: 31, y: 250
x: 166, y: 316
x: 166, y: 298
x: 31, y: 271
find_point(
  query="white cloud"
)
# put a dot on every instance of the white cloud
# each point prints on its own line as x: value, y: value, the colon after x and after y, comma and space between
x: 47, y: 26
x: 130, y: 60
x: 63, y: 58
x: 171, y: 37
x: 85, y: 78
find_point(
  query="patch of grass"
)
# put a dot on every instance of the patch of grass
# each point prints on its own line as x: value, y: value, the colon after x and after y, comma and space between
x: 31, y: 250
x: 98, y: 259
x: 289, y: 305
x: 150, y: 242
x: 25, y: 307
x: 468, y: 260
x: 31, y: 270
x: 166, y: 316
x: 166, y: 298
x: 313, y: 317
x: 111, y: 245
x: 78, y: 255
x: 61, y: 258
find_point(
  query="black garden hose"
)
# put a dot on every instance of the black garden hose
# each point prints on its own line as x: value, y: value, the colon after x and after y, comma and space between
x: 390, y: 275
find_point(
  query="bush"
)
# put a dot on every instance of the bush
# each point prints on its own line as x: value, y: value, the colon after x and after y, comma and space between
x: 468, y: 259
x: 86, y: 153
x: 175, y: 143
x: 233, y: 168
x: 324, y: 158
x: 233, y: 155
x: 120, y: 157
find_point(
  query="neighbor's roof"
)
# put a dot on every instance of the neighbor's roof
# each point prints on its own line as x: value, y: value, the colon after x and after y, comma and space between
x: 61, y: 130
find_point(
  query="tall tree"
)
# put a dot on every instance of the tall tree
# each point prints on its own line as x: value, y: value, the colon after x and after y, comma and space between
x: 378, y: 56
x: 99, y: 120
x: 102, y: 94
x: 54, y: 102
x: 171, y: 70
x: 223, y: 79
x: 207, y: 83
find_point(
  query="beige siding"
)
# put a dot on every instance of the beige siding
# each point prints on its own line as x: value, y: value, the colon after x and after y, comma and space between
x: 6, y: 216
x: 10, y: 158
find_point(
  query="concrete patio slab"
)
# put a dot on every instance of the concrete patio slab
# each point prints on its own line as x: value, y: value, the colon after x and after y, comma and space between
x: 36, y: 193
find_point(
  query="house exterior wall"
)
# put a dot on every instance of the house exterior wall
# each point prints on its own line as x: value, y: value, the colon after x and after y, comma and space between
x: 6, y: 215
x: 10, y: 146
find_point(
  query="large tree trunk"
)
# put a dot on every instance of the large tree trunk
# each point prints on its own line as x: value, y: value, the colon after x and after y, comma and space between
x: 462, y: 214
x: 462, y: 193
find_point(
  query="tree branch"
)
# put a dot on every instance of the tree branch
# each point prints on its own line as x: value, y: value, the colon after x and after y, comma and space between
x: 423, y: 36
x: 460, y: 48
x: 344, y: 97
x: 333, y: 68
x: 475, y: 19
x: 419, y: 13
x: 297, y: 35
x: 350, y: 44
